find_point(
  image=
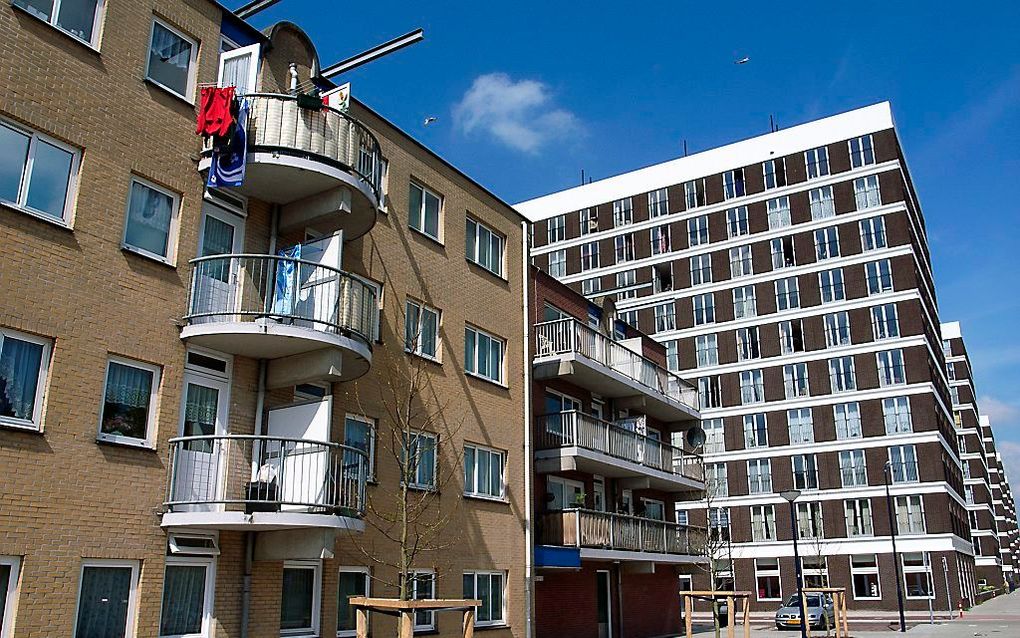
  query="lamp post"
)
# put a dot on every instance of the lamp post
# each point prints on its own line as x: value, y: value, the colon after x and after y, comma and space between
x: 791, y: 496
x: 896, y: 558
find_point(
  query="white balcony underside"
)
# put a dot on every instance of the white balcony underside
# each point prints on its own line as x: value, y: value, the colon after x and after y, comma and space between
x: 641, y: 476
x: 615, y: 555
x: 260, y: 521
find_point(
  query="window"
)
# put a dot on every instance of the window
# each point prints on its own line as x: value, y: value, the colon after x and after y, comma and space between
x: 740, y: 261
x: 733, y: 184
x: 483, y: 354
x: 801, y: 426
x: 172, y: 57
x: 841, y: 374
x: 151, y: 225
x: 759, y: 476
x: 775, y: 173
x: 423, y: 587
x: 787, y: 294
x: 556, y: 228
x: 9, y: 567
x: 736, y: 222
x: 744, y: 304
x: 589, y: 218
x: 483, y: 472
x: 693, y: 195
x: 879, y: 275
x: 809, y: 520
x: 917, y: 578
x: 909, y: 515
x: 716, y: 482
x: 557, y: 263
x: 107, y: 599
x: 748, y: 344
x: 890, y: 368
x: 903, y: 463
x: 38, y: 174
x: 782, y: 253
x: 485, y: 247
x: 352, y: 581
x: 755, y: 431
x: 591, y: 286
x: 805, y: 472
x: 421, y: 330
x: 660, y: 240
x: 78, y: 18
x: 188, y: 589
x: 837, y: 329
x: 817, y: 160
x: 625, y: 279
x: 672, y: 355
x: 795, y: 380
x: 852, y: 468
x: 658, y: 203
x: 896, y: 414
x: 848, y: 420
x: 778, y: 212
x: 24, y: 362
x: 590, y: 256
x: 864, y: 573
x: 662, y: 277
x: 418, y: 460
x: 719, y: 523
x: 715, y: 433
x: 830, y: 282
x: 623, y: 212
x: 697, y: 230
x: 707, y: 350
x: 951, y: 371
x: 766, y: 576
x: 862, y: 153
x: 129, y: 402
x: 701, y: 269
x: 629, y: 317
x: 791, y: 336
x: 624, y: 247
x: 424, y: 211
x: 884, y: 321
x: 816, y: 571
x: 763, y: 523
x: 873, y: 233
x: 954, y: 395
x: 665, y: 317
x: 822, y: 203
x: 359, y: 433
x: 704, y: 309
x: 487, y: 587
x: 866, y: 193
x: 752, y: 387
x: 858, y: 517
x: 564, y: 493
x: 826, y: 243
x: 710, y: 392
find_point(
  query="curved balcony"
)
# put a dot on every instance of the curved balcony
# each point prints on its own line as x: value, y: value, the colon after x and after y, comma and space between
x: 297, y: 153
x: 250, y: 482
x: 268, y: 307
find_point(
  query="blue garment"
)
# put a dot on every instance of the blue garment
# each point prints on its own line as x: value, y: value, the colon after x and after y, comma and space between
x: 227, y: 167
x: 283, y: 298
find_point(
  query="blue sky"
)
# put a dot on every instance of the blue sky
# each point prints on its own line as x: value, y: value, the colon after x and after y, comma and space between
x: 529, y: 93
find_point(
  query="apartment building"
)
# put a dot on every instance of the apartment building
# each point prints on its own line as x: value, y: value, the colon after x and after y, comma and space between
x: 201, y: 429
x: 788, y: 276
x: 610, y: 467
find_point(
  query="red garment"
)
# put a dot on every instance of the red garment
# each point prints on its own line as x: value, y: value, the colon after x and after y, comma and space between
x: 214, y: 116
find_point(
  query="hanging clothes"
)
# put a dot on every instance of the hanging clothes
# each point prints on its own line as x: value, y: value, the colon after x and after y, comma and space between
x: 215, y: 111
x: 228, y: 160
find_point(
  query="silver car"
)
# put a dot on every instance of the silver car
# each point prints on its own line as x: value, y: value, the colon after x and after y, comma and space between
x: 818, y: 608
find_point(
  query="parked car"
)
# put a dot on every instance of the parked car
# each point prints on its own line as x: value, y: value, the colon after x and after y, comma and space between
x: 818, y: 608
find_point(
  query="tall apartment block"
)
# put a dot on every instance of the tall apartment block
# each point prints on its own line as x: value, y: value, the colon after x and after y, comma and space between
x: 788, y: 276
x: 200, y: 389
x: 610, y: 467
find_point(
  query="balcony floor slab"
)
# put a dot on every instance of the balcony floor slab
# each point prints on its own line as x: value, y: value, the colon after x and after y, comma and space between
x: 259, y: 521
x: 582, y: 460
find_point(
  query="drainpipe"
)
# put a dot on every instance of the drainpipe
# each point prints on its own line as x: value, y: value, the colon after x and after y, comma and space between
x: 249, y: 552
x: 529, y: 540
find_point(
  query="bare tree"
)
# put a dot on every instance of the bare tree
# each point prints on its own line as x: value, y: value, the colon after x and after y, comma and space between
x: 713, y: 542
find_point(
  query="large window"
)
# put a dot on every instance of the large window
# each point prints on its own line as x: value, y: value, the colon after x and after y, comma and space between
x: 809, y: 520
x: 879, y: 276
x: 624, y: 245
x: 107, y: 599
x: 697, y: 230
x: 736, y: 222
x: 716, y: 480
x: 352, y: 581
x: 489, y: 588
x: 752, y: 387
x: 589, y: 218
x: 756, y: 432
x: 733, y: 184
x: 484, y: 246
x: 152, y: 218
x: 872, y: 234
x: 909, y: 515
x: 805, y: 472
x: 172, y: 60
x: 826, y: 243
x: 763, y: 523
x: 78, y: 18
x: 787, y: 294
x: 483, y: 472
x: 795, y: 380
x: 719, y: 523
x: 483, y: 354
x: 590, y: 256
x: 301, y: 598
x: 556, y: 229
x: 885, y: 322
x: 858, y: 517
x: 917, y: 578
x: 744, y: 302
x: 801, y: 426
x: 129, y: 402
x: 9, y: 567
x: 557, y: 263
x: 704, y: 309
x: 24, y: 361
x: 421, y: 330
x: 903, y: 464
x: 707, y: 350
x: 694, y: 193
x: 37, y: 173
x: 658, y: 202
x: 701, y: 269
x: 766, y: 576
x: 748, y: 344
x: 864, y: 573
x: 418, y: 460
x: 775, y: 173
x: 841, y: 374
x: 822, y: 203
x: 740, y: 261
x: 782, y: 252
x: 759, y: 476
x: 848, y: 420
x: 862, y: 153
x: 791, y: 336
x: 837, y: 329
x: 423, y: 587
x: 890, y: 368
x: 896, y: 414
x: 817, y: 161
x: 660, y: 240
x: 866, y: 193
x: 709, y: 392
x: 715, y: 435
x: 665, y: 317
x: 623, y: 212
x: 187, y: 596
x: 830, y: 283
x: 778, y: 210
x: 852, y: 468
x: 424, y: 210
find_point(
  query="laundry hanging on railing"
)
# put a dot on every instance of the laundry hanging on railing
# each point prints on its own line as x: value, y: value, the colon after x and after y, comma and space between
x: 215, y: 111
x: 283, y: 299
x: 228, y: 162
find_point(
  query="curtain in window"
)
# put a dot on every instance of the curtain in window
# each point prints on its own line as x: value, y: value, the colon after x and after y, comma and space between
x: 126, y: 408
x: 169, y: 59
x: 19, y: 376
x: 103, y: 602
x: 149, y: 214
x: 183, y: 600
x: 235, y: 73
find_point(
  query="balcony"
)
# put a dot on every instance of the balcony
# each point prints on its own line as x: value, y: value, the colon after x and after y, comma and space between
x: 303, y: 158
x: 619, y: 537
x: 260, y: 483
x: 576, y: 441
x: 570, y: 350
x: 268, y: 307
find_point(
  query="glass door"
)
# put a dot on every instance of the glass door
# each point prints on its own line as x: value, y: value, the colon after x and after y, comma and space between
x: 198, y: 471
x: 215, y: 289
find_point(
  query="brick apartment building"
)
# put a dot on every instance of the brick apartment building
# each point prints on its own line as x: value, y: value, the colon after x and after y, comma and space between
x: 197, y: 386
x: 789, y: 277
x: 610, y: 466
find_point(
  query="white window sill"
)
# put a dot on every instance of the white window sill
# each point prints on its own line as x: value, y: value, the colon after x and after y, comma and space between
x: 147, y: 255
x: 41, y: 216
x: 21, y: 426
x: 439, y: 242
x: 497, y: 275
x: 490, y: 499
x: 88, y: 45
x: 190, y: 102
x: 424, y: 356
x: 475, y: 375
x: 125, y: 442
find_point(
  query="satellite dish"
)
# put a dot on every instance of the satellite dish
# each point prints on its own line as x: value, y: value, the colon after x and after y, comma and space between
x: 696, y: 437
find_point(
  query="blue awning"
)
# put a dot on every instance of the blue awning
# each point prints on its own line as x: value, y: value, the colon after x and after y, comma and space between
x: 551, y: 556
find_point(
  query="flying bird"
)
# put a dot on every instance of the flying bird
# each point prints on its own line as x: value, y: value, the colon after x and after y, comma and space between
x: 430, y: 120
x: 743, y: 60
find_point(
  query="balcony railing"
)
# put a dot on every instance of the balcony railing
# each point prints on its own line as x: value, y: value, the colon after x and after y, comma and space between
x: 569, y: 336
x: 244, y: 288
x: 576, y: 429
x: 265, y: 474
x: 604, y: 530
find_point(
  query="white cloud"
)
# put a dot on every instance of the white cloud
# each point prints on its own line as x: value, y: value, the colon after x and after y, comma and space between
x: 1010, y: 452
x: 519, y: 114
x: 999, y: 412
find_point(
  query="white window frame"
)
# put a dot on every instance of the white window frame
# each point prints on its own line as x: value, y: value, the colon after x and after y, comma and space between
x: 832, y: 285
x: 589, y: 221
x: 473, y: 369
x: 741, y: 264
x: 660, y: 240
x: 837, y: 329
x: 734, y: 184
x: 851, y: 415
x: 665, y: 317
x: 777, y: 247
x: 853, y: 507
x: 41, y: 385
x: 885, y: 321
x: 840, y: 369
x: 876, y: 278
x: 810, y: 512
x: 558, y: 263
x: 474, y: 574
x: 795, y: 380
x: 873, y: 235
x: 822, y: 203
x: 623, y: 212
x: 787, y: 336
x: 914, y: 569
x: 21, y: 204
x: 764, y: 471
x: 747, y: 302
x: 417, y: 349
x: 624, y: 249
x: 911, y: 506
x: 172, y: 231
x: 801, y: 426
x: 316, y: 567
x: 151, y: 411
x: 866, y: 571
x: 591, y: 286
x: 431, y: 615
x: 704, y: 308
x: 808, y: 475
x: 8, y: 597
x: 816, y: 162
x: 752, y: 387
x: 132, y: 607
x: 756, y: 431
x: 697, y: 228
x: 352, y: 569
x: 416, y: 219
x: 769, y: 572
x: 764, y: 529
x: 209, y: 597
x: 772, y: 170
x: 707, y: 345
x: 97, y: 25
x: 473, y: 255
x: 693, y: 196
x: 859, y: 157
x: 778, y: 212
x: 709, y: 393
x: 787, y: 294
x: 892, y: 370
x: 867, y: 192
x: 372, y: 429
x: 701, y: 265
x: 715, y: 435
x: 737, y: 224
x: 189, y: 97
x: 717, y: 480
x: 893, y: 410
x: 658, y: 203
x: 853, y: 464
x: 589, y: 256
x: 748, y: 343
x: 418, y: 436
x: 827, y: 243
x: 908, y: 462
x: 472, y: 491
x: 556, y: 229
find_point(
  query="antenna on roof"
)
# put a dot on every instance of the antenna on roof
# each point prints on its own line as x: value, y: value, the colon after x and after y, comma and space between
x: 374, y: 53
x: 685, y: 147
x: 582, y: 177
x: 253, y: 7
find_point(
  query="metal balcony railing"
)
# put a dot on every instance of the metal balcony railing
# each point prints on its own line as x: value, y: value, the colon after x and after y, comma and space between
x: 576, y: 429
x: 605, y: 530
x: 243, y: 288
x: 265, y: 474
x: 569, y: 336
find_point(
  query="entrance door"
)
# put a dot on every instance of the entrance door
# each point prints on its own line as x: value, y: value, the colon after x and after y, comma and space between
x: 215, y: 288
x: 604, y: 596
x: 198, y: 471
x: 299, y: 463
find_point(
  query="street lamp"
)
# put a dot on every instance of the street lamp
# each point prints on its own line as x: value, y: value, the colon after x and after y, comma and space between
x: 791, y: 496
x: 896, y: 558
